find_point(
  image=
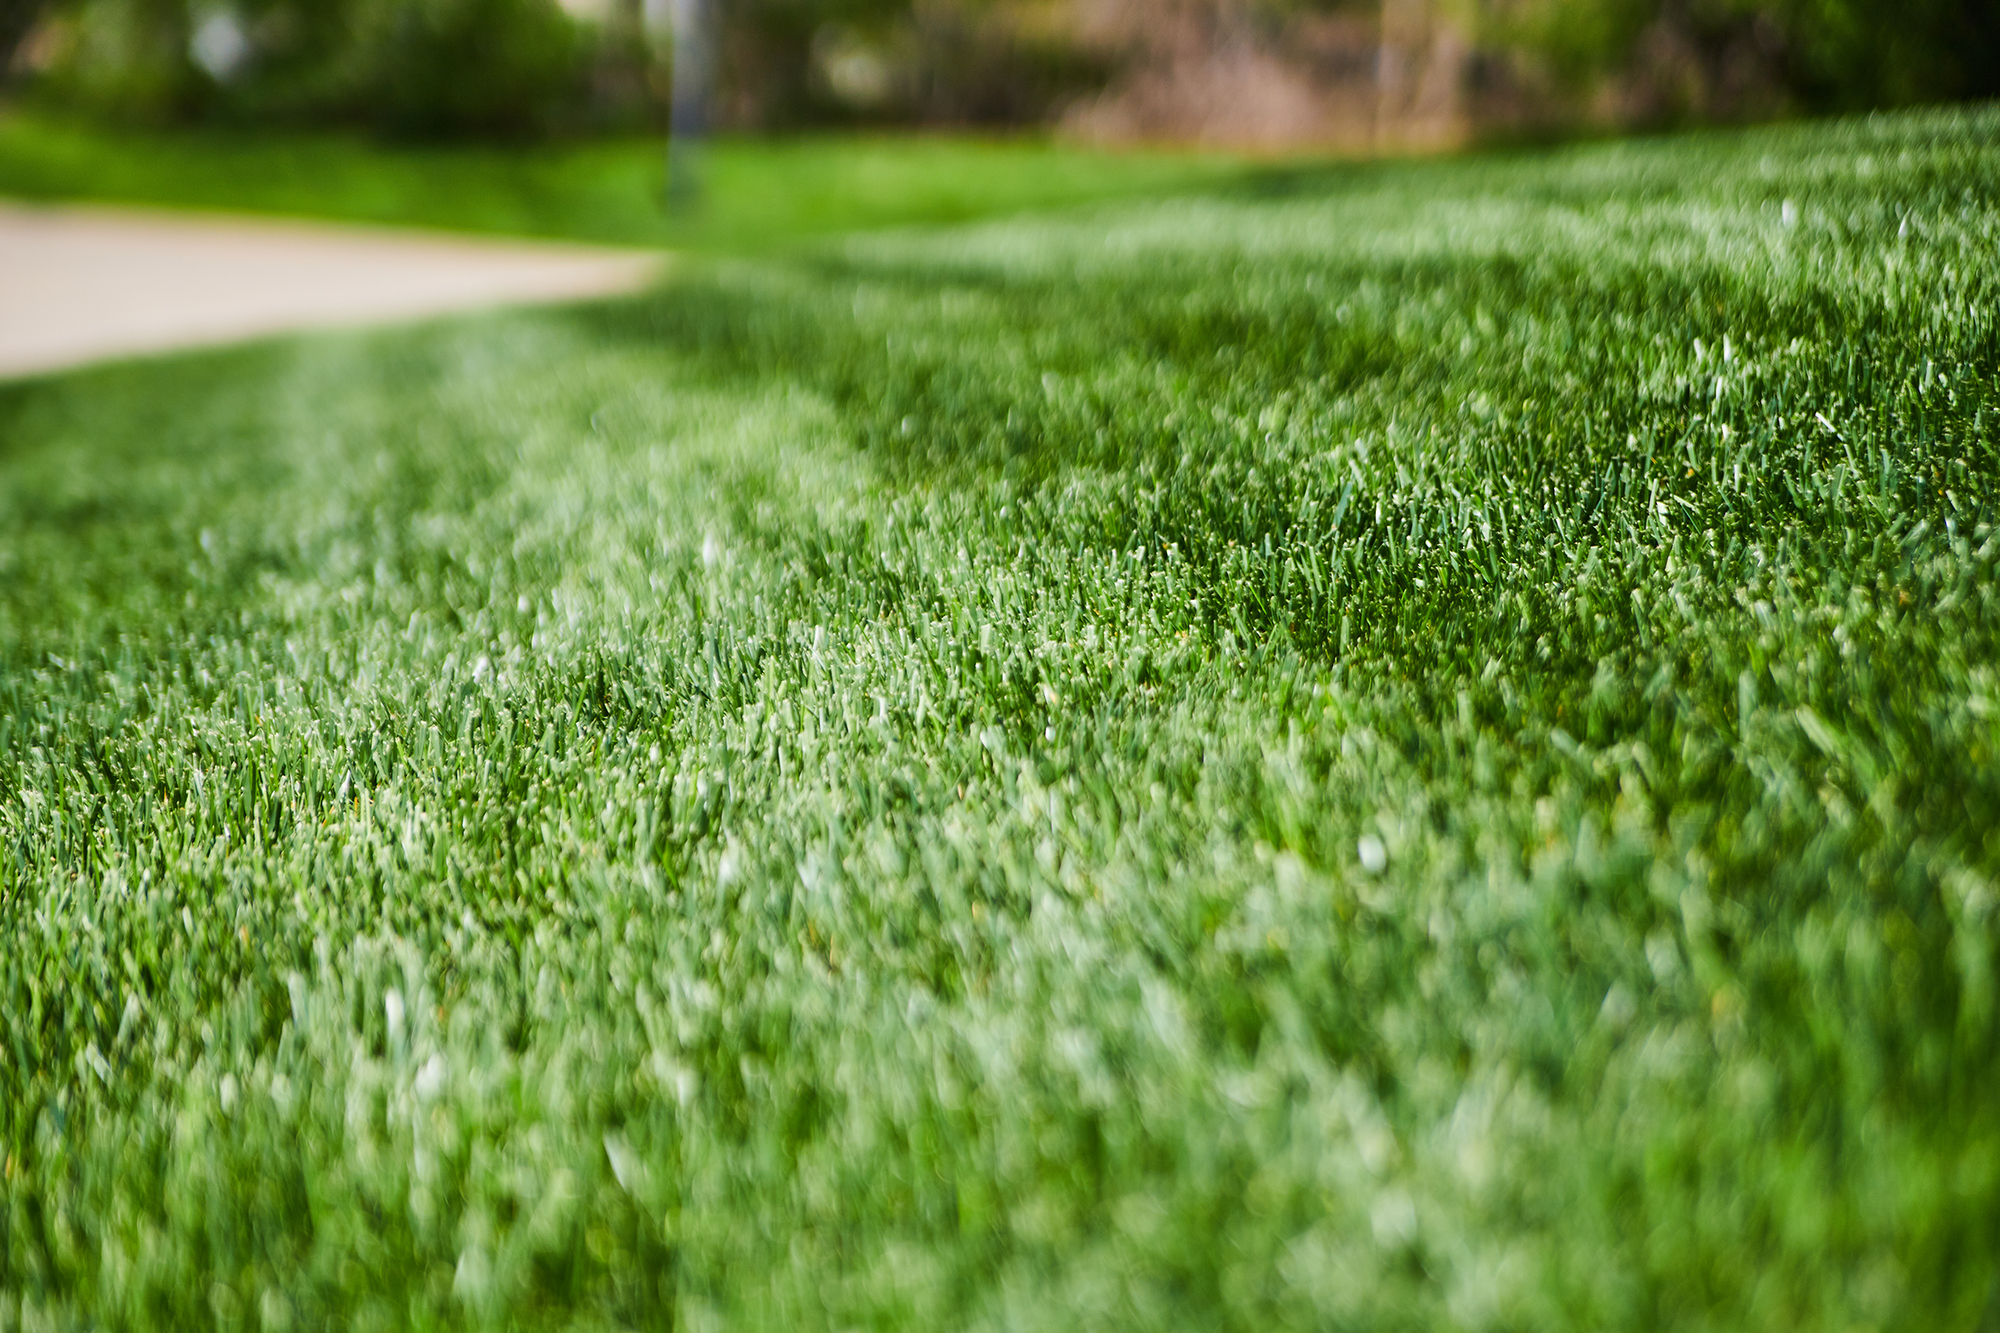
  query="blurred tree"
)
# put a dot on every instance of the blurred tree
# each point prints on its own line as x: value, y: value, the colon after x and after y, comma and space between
x: 764, y: 51
x: 622, y: 80
x: 436, y: 68
x: 997, y: 62
x: 17, y: 19
x: 797, y: 62
x: 1855, y: 54
x: 130, y: 60
x: 1703, y: 59
x: 1309, y: 70
x: 405, y: 68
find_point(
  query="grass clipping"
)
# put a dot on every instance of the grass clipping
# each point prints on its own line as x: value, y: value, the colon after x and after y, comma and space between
x: 1411, y: 750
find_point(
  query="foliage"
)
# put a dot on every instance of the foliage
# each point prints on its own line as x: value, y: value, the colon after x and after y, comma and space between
x: 437, y: 69
x: 941, y: 62
x: 1824, y: 55
x: 457, y: 68
x: 406, y: 68
x: 412, y: 68
x: 17, y: 19
x: 463, y: 66
x: 1411, y: 750
x: 1855, y: 54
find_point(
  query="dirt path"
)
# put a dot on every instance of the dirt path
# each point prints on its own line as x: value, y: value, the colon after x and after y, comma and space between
x: 86, y: 284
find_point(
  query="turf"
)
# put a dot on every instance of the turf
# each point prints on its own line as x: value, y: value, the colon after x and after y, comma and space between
x: 1414, y: 753
x: 761, y: 195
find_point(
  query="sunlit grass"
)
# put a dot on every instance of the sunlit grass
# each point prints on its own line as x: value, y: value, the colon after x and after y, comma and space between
x: 1415, y: 753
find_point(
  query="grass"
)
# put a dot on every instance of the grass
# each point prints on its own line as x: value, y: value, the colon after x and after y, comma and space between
x: 762, y: 194
x: 1414, y: 753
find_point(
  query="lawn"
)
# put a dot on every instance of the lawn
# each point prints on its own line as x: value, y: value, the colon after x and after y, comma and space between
x: 1412, y: 747
x: 761, y: 195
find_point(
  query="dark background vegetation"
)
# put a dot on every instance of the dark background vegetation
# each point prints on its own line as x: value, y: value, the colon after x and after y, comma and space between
x: 1366, y: 73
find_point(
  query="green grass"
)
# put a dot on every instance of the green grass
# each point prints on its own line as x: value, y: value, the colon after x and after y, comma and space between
x: 1416, y: 753
x: 762, y: 194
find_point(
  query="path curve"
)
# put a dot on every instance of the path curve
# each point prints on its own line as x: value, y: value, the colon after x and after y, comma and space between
x: 79, y: 285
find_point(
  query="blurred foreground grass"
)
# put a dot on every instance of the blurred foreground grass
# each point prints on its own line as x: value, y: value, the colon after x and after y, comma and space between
x: 761, y: 193
x: 1419, y: 754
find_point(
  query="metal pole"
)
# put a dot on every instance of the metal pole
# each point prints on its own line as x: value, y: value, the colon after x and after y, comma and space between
x: 694, y: 38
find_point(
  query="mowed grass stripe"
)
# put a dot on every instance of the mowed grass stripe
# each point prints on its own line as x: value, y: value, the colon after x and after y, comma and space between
x: 1413, y: 752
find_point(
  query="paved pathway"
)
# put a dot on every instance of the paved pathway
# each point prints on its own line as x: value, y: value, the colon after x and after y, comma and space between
x: 90, y: 284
